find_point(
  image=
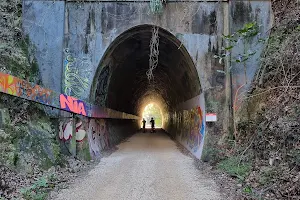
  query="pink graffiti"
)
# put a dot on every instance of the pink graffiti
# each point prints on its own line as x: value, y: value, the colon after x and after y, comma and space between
x: 72, y: 104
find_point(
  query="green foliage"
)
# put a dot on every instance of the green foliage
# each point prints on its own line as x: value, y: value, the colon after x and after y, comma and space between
x: 234, y: 167
x: 212, y: 106
x: 37, y: 191
x: 16, y: 51
x: 210, y: 154
x: 243, y: 35
x: 267, y: 176
x: 247, y: 189
x: 152, y: 110
x: 31, y: 128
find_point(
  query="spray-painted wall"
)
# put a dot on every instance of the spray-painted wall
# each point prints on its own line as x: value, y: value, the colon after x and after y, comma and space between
x: 187, y: 124
x: 88, y: 138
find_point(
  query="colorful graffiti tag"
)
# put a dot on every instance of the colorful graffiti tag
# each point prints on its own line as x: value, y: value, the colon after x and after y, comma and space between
x: 98, y: 136
x: 8, y: 84
x: 21, y: 88
x: 190, y: 127
x: 197, y: 129
x: 72, y: 104
x: 66, y: 131
x: 75, y: 78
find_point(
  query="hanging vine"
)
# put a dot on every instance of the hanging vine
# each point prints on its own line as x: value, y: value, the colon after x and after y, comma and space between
x: 154, y: 53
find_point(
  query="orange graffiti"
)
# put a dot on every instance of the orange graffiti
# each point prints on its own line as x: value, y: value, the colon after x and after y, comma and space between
x: 35, y: 93
x: 18, y: 87
x: 8, y: 84
x: 72, y: 104
x: 200, y: 114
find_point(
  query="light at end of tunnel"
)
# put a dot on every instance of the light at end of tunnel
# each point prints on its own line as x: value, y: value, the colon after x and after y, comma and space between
x: 152, y: 110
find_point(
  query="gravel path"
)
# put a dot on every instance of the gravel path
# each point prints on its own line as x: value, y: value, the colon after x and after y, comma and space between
x: 147, y: 166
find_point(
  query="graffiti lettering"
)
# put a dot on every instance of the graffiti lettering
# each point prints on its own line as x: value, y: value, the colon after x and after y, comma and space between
x: 76, y: 75
x: 66, y: 131
x: 190, y: 126
x: 102, y: 87
x: 98, y: 134
x: 21, y: 88
x: 72, y: 104
x: 17, y: 87
x: 33, y: 92
x: 8, y: 84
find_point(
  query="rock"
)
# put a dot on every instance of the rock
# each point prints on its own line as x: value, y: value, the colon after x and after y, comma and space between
x: 51, y: 170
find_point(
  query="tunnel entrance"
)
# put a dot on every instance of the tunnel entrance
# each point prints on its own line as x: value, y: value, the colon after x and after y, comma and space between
x: 121, y: 82
x: 153, y: 111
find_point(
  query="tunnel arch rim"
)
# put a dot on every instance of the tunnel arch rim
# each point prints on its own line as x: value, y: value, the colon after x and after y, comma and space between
x: 127, y: 34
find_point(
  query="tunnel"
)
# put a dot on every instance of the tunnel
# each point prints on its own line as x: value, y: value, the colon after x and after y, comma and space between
x: 121, y: 82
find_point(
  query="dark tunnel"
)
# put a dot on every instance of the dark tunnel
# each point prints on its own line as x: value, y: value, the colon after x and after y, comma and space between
x: 121, y: 82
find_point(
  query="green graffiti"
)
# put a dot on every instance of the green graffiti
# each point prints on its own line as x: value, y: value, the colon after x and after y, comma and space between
x: 75, y: 80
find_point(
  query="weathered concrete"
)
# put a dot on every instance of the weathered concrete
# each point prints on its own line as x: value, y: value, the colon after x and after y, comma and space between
x: 241, y: 13
x: 107, y: 21
x: 43, y: 21
x: 91, y: 57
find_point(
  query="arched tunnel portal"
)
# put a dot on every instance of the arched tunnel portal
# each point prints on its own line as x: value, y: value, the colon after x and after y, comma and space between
x: 121, y: 82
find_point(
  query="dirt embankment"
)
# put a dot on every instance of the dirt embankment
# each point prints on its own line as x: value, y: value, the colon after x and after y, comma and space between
x: 265, y: 158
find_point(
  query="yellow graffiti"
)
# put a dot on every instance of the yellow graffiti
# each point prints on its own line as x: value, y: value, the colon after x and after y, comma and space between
x: 8, y: 84
x: 75, y: 84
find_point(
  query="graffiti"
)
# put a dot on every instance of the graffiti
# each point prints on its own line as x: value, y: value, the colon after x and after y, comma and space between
x: 102, y: 87
x: 72, y: 104
x: 76, y: 74
x: 190, y: 127
x: 80, y: 132
x: 8, y: 84
x: 17, y: 87
x: 34, y: 92
x: 186, y: 125
x: 197, y: 129
x: 21, y: 88
x: 66, y: 131
x: 98, y: 136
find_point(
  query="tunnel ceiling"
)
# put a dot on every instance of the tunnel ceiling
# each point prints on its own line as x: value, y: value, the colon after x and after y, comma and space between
x: 123, y: 85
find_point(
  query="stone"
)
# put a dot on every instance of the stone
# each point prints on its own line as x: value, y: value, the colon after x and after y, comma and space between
x: 4, y: 117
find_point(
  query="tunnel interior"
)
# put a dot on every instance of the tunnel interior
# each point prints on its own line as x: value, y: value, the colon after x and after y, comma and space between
x: 121, y: 83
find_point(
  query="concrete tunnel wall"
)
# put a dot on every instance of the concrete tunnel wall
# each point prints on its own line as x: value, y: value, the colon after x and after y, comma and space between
x: 84, y: 32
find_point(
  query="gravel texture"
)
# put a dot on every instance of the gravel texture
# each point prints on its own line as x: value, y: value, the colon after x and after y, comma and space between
x: 147, y: 166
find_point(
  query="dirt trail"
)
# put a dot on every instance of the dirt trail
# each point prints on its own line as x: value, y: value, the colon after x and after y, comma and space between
x: 146, y: 167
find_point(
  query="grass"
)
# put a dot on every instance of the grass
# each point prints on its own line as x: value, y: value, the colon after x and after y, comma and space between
x: 39, y: 190
x: 234, y: 167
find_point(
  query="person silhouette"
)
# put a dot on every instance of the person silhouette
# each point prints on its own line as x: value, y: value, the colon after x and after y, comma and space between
x: 152, y: 125
x: 144, y: 125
